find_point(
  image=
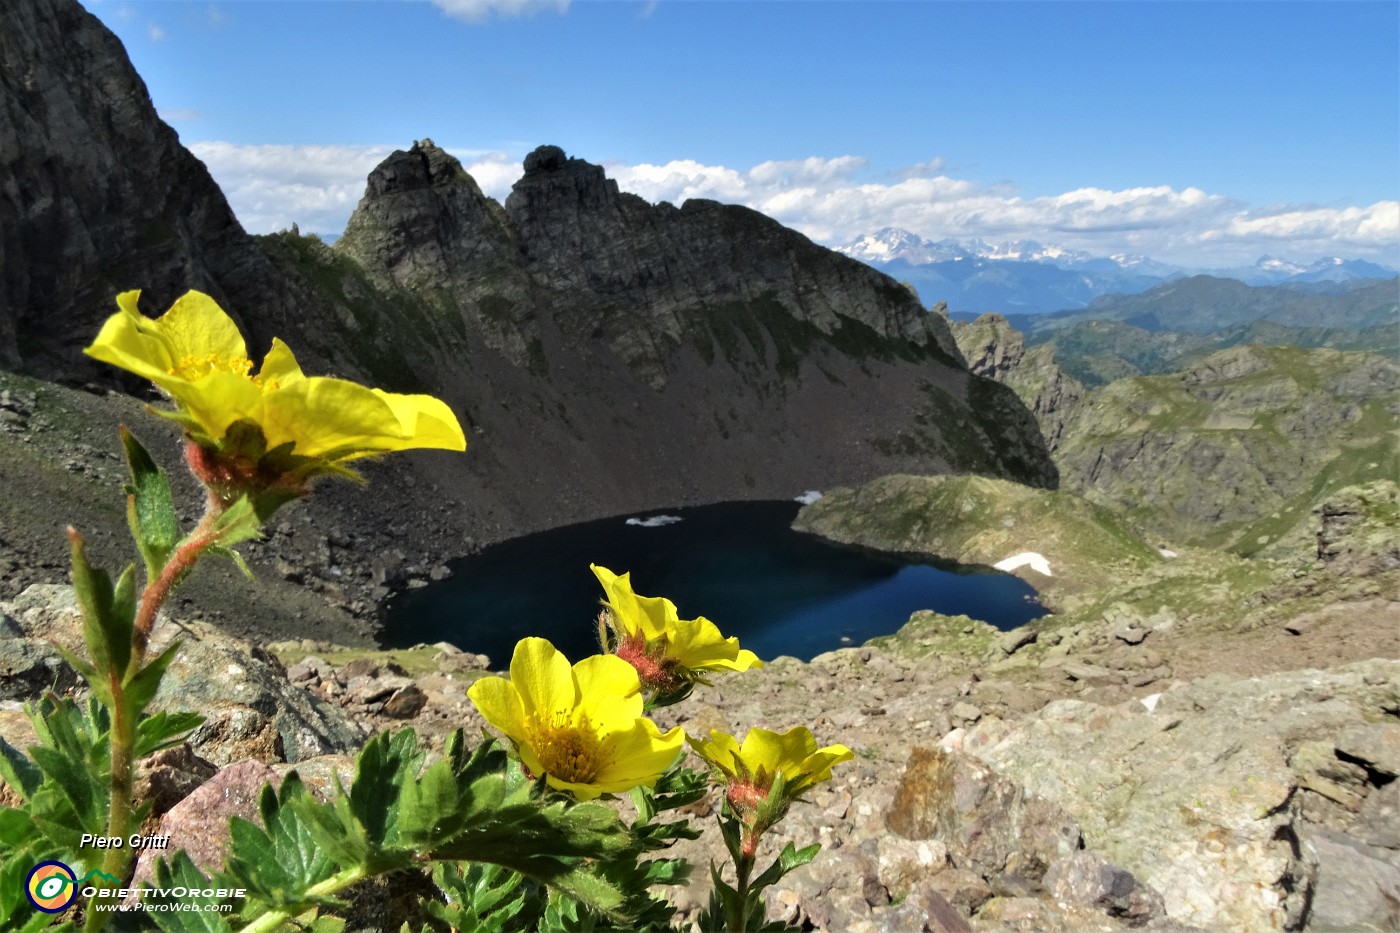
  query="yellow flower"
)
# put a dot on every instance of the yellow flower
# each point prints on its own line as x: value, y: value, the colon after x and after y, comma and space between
x: 653, y: 637
x: 196, y: 354
x: 582, y: 727
x: 750, y: 768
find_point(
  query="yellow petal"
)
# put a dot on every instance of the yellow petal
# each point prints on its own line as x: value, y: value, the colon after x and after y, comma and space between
x: 649, y: 616
x: 499, y: 704
x: 775, y: 752
x: 195, y: 325
x: 279, y: 367
x: 122, y: 343
x: 697, y: 645
x: 218, y: 400
x: 640, y: 754
x: 721, y: 750
x: 326, y: 417
x: 543, y: 678
x: 609, y: 691
x: 424, y: 421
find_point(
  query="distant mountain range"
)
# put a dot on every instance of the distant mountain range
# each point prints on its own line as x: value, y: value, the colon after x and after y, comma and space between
x: 1176, y: 323
x: 1026, y: 277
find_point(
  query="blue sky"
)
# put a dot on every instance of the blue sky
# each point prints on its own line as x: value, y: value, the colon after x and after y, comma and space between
x: 1203, y: 133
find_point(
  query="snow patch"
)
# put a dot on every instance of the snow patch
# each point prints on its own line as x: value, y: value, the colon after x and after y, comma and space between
x: 808, y: 497
x: 1025, y: 559
x: 1165, y: 552
x: 655, y: 521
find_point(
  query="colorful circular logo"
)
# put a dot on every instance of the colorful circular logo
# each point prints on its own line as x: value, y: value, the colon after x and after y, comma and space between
x: 52, y: 887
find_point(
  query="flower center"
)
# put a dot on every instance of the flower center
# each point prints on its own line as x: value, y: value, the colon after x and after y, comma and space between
x: 569, y: 751
x: 194, y: 367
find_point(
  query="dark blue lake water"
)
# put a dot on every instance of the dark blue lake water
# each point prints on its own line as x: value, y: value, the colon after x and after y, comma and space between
x: 739, y: 564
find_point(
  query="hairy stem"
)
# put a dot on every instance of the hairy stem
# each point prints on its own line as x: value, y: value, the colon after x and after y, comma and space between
x: 119, y: 812
x: 738, y: 919
x: 176, y: 568
x: 273, y: 919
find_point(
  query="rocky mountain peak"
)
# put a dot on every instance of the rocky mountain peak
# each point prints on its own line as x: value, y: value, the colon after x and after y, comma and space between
x: 97, y: 196
x: 553, y: 182
x: 423, y: 220
x: 422, y: 166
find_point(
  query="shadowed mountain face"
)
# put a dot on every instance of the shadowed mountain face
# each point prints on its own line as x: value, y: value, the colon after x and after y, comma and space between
x: 97, y: 196
x: 606, y: 355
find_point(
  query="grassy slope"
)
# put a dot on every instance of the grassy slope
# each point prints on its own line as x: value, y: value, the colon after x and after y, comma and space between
x: 1237, y: 451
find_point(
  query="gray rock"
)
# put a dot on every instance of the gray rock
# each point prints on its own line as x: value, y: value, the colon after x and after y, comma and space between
x: 1378, y: 821
x: 964, y: 890
x: 406, y: 702
x: 171, y: 775
x: 989, y: 824
x: 29, y: 666
x: 1016, y: 639
x: 1130, y: 634
x: 1377, y: 745
x: 1086, y: 880
x: 1355, y: 889
x: 248, y: 701
x: 1204, y: 777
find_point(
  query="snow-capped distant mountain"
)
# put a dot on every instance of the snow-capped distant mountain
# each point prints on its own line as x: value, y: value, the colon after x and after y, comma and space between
x: 1026, y: 277
x: 1271, y: 271
x: 893, y: 243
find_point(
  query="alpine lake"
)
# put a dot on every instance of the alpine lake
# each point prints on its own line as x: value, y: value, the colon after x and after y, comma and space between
x: 739, y: 564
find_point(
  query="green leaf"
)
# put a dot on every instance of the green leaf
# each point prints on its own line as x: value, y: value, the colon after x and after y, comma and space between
x: 180, y: 872
x: 94, y: 590
x: 483, y: 898
x: 238, y: 523
x: 141, y: 687
x: 16, y: 829
x: 124, y: 605
x: 21, y: 774
x: 385, y: 765
x: 237, y: 559
x: 791, y: 857
x: 279, y: 862
x: 163, y: 730
x: 150, y: 510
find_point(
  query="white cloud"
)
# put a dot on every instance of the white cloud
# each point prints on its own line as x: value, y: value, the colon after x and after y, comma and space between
x: 480, y: 11
x: 155, y: 33
x: 317, y: 187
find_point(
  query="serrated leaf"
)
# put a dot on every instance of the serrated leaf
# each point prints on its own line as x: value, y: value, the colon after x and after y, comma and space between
x: 180, y: 872
x: 16, y: 829
x: 383, y: 767
x: 150, y: 508
x: 791, y: 857
x: 87, y: 796
x: 279, y: 862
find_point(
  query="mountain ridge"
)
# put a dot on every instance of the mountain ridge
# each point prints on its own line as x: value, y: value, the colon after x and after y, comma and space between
x: 1026, y: 277
x: 606, y: 356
